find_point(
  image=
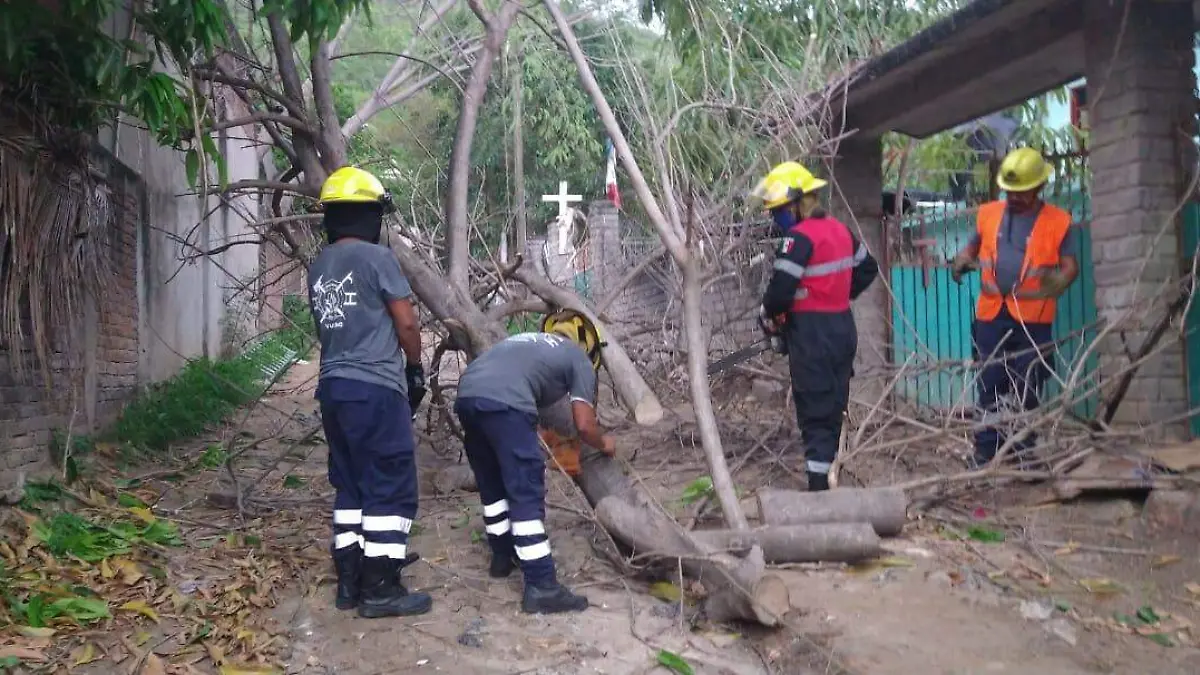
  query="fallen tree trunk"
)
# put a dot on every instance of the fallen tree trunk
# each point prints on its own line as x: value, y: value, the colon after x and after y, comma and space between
x: 826, y: 542
x: 886, y: 509
x: 738, y: 588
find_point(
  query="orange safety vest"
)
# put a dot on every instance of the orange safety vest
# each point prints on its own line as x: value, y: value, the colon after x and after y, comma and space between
x: 1041, y: 255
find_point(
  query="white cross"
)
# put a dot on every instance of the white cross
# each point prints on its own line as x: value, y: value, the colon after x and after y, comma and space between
x: 565, y: 213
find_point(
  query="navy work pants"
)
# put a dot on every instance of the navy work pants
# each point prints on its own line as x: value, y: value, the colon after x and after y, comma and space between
x: 510, y: 469
x: 372, y: 466
x: 821, y: 348
x: 1011, y: 375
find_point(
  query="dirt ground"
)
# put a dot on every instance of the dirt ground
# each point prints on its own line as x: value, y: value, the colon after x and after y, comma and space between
x: 1057, y: 595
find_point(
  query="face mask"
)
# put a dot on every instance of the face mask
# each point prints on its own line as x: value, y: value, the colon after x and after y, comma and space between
x: 785, y: 218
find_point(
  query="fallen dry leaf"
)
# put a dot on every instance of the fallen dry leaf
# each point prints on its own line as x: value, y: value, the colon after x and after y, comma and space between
x: 143, y: 514
x: 23, y: 653
x: 1193, y: 588
x: 130, y: 572
x: 30, y: 631
x: 140, y: 607
x: 1101, y: 586
x: 1068, y: 549
x: 1164, y: 560
x: 84, y: 655
x: 153, y: 666
x: 239, y: 669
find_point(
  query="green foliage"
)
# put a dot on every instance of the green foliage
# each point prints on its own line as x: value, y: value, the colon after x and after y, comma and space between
x: 696, y: 490
x: 69, y: 535
x: 523, y: 323
x: 64, y: 68
x: 205, y: 391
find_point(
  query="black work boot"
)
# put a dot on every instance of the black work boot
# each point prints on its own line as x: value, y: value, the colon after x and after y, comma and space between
x: 552, y: 598
x: 502, y: 565
x: 818, y: 482
x: 504, y: 556
x: 382, y: 594
x: 347, y: 562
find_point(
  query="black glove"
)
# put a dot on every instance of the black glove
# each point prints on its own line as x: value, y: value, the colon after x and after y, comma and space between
x: 766, y: 324
x: 415, y: 375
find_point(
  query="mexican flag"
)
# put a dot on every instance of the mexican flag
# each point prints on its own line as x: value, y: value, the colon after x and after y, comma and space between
x: 610, y: 174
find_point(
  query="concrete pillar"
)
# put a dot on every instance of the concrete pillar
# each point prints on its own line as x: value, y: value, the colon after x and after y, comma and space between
x: 604, y: 247
x: 855, y: 198
x: 1141, y: 107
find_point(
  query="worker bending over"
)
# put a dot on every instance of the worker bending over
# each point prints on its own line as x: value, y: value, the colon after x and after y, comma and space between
x: 1025, y: 251
x: 499, y: 395
x: 370, y: 372
x: 819, y: 268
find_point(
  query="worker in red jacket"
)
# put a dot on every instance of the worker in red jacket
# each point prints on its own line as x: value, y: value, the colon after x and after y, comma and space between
x: 819, y: 268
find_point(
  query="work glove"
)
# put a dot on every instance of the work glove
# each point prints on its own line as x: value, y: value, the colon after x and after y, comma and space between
x: 1053, y: 284
x: 960, y: 266
x: 415, y: 375
x: 768, y: 325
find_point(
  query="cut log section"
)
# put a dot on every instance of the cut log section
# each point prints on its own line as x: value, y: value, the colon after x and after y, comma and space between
x: 827, y: 542
x: 886, y: 509
x: 738, y: 589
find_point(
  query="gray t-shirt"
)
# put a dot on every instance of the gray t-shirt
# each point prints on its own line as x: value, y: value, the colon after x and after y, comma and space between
x: 1011, y: 240
x: 529, y: 371
x: 349, y: 286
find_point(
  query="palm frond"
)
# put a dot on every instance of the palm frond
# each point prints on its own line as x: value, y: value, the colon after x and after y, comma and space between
x: 55, y: 229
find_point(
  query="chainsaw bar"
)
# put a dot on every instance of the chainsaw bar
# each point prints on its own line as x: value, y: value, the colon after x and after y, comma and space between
x: 741, y: 355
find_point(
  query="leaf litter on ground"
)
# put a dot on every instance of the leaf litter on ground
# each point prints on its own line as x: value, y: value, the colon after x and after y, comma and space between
x: 71, y: 563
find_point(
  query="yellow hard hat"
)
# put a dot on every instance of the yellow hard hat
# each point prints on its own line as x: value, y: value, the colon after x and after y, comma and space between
x: 786, y: 183
x: 578, y: 329
x: 1022, y: 170
x: 351, y: 185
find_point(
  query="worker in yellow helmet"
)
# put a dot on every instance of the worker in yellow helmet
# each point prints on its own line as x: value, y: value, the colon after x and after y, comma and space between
x: 371, y: 381
x: 499, y: 396
x: 1025, y: 250
x: 819, y: 268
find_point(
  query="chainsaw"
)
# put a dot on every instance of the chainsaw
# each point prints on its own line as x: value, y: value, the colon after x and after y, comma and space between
x: 770, y: 340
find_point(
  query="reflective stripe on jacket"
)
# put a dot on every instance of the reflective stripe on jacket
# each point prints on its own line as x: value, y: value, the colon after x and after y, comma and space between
x: 1025, y: 303
x: 825, y: 281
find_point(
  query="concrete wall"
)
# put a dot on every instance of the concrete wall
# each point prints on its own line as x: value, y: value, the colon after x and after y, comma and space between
x: 1142, y: 121
x: 187, y: 296
x: 857, y: 180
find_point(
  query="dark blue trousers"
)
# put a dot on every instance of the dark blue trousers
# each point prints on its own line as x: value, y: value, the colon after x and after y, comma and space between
x: 1011, y: 375
x: 510, y: 469
x: 372, y: 466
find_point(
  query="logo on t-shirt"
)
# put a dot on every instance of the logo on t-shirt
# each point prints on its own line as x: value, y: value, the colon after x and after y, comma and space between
x: 544, y: 338
x: 331, y: 298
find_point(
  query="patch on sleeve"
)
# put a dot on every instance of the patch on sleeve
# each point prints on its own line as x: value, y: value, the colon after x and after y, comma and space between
x: 785, y: 246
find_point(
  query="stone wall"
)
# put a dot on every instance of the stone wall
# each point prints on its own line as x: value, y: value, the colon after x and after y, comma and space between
x: 1141, y: 110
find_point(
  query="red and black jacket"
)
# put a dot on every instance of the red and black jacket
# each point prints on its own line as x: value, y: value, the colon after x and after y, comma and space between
x: 819, y: 268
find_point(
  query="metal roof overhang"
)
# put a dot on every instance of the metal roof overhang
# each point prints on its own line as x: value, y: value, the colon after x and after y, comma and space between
x: 987, y: 56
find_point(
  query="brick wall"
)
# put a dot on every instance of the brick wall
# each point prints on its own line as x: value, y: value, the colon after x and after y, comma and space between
x: 1141, y: 111
x: 97, y: 357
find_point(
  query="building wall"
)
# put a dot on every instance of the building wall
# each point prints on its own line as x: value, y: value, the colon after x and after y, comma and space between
x: 158, y: 309
x: 1142, y: 116
x: 94, y: 369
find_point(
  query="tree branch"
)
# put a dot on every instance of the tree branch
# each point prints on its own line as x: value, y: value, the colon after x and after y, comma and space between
x: 289, y: 74
x: 458, y: 234
x: 329, y: 139
x: 260, y: 118
x: 377, y: 100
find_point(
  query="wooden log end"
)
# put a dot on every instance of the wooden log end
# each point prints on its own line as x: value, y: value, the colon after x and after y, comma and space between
x: 648, y: 411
